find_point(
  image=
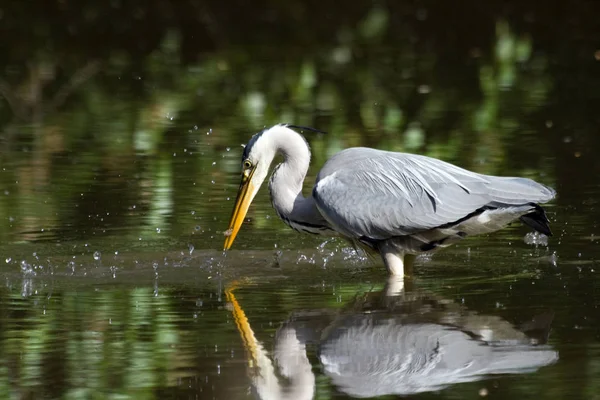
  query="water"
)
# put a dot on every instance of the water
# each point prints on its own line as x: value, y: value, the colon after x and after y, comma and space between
x: 120, y: 162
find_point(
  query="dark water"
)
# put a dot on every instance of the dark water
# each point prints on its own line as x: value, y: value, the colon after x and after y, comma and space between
x: 121, y: 125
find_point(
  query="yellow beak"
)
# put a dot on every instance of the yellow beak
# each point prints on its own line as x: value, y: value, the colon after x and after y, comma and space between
x: 242, y: 203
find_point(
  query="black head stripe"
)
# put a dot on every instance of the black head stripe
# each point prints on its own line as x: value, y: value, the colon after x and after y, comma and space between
x: 251, y: 143
x: 306, y: 128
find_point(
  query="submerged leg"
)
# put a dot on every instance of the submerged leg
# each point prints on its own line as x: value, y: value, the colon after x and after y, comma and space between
x: 394, y: 263
x: 397, y: 262
x: 394, y: 286
x: 393, y: 259
x: 409, y: 264
x: 398, y: 285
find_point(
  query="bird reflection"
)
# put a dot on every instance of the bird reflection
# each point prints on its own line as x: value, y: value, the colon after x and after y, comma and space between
x: 290, y: 356
x: 399, y: 341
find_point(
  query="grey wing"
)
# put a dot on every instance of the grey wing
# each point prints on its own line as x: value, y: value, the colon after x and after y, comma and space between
x: 378, y: 194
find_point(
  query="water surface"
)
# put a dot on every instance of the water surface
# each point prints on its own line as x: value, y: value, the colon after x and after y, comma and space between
x: 121, y: 130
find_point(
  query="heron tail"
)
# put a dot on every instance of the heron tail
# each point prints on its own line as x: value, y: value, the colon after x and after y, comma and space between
x: 538, y: 220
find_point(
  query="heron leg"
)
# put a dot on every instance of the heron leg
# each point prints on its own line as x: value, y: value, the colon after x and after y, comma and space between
x: 396, y: 260
x: 398, y: 285
x: 394, y: 263
x: 394, y: 286
x: 393, y: 259
x: 409, y: 264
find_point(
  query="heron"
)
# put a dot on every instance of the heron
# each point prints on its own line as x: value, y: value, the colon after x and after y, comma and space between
x: 394, y: 204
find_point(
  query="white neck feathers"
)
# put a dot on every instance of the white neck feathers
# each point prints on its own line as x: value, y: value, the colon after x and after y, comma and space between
x: 287, y: 180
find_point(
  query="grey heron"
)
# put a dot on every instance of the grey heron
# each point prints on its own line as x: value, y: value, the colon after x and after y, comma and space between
x: 393, y: 204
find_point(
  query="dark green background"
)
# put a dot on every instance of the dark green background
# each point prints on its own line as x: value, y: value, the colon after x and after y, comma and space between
x: 121, y: 125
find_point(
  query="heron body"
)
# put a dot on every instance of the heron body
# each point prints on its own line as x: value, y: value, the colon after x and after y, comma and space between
x: 395, y: 204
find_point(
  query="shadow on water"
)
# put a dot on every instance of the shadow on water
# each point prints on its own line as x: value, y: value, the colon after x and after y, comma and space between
x: 399, y: 340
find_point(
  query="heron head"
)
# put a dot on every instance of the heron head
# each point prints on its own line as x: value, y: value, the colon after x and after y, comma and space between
x: 258, y: 154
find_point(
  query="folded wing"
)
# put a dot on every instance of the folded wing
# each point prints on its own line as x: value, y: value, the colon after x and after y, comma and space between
x: 378, y: 194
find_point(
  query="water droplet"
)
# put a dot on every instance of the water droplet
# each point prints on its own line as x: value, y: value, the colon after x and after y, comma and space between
x: 97, y: 255
x: 554, y: 259
x: 26, y: 268
x: 536, y: 239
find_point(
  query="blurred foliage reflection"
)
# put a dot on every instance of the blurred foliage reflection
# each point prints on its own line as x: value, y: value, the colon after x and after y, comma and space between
x: 110, y: 98
x: 120, y: 131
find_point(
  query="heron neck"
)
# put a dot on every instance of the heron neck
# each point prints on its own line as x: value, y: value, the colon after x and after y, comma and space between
x: 288, y: 177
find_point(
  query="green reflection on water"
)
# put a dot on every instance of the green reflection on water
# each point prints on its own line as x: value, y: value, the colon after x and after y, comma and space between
x: 111, y: 341
x: 150, y: 331
x: 185, y: 121
x: 121, y: 127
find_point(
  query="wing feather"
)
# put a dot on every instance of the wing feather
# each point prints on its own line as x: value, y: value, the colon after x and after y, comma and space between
x: 378, y: 194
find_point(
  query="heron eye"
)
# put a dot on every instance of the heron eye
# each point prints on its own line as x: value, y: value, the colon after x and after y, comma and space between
x: 247, y: 164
